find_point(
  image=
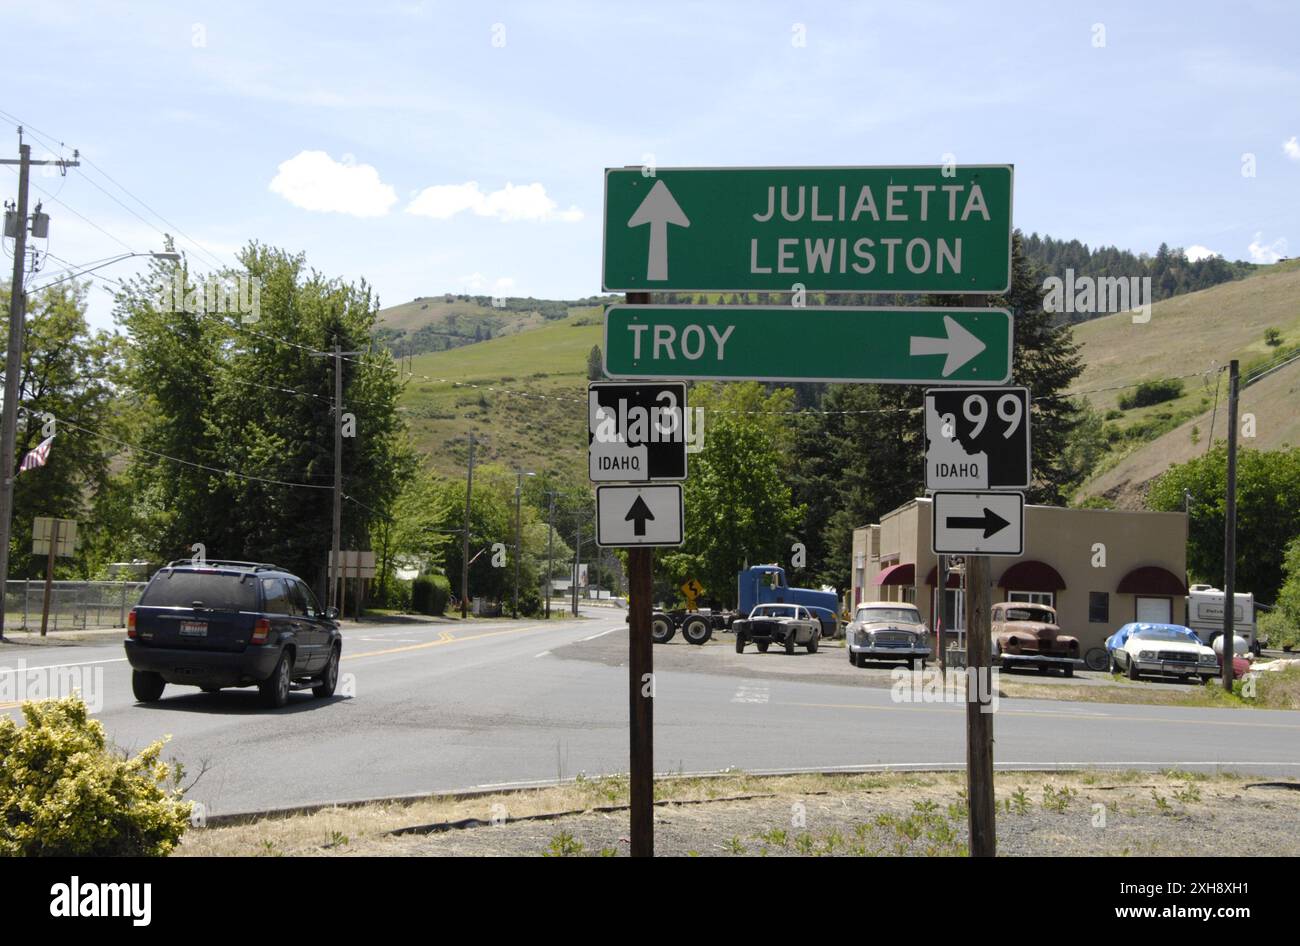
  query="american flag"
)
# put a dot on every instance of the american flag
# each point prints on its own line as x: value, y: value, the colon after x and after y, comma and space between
x: 39, y: 456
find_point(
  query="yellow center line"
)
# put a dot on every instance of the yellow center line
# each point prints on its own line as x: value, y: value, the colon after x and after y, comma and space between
x: 961, y: 708
x: 445, y: 637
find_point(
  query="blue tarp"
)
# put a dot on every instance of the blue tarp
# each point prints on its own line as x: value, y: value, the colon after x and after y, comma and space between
x: 1116, y: 640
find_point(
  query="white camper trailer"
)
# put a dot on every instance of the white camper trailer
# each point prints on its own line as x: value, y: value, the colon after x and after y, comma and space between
x: 1205, y: 614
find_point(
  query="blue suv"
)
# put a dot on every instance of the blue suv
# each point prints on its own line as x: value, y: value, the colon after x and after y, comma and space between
x: 231, y: 624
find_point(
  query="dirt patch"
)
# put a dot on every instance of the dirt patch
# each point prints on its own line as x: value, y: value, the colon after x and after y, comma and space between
x: 1088, y: 813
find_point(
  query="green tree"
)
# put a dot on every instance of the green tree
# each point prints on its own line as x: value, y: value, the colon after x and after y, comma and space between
x: 595, y: 364
x: 1268, y: 513
x: 738, y: 508
x: 67, y: 389
x: 249, y: 393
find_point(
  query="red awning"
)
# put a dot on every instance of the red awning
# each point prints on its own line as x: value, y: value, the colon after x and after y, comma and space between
x: 1152, y: 580
x: 954, y: 578
x: 1031, y: 575
x: 904, y: 574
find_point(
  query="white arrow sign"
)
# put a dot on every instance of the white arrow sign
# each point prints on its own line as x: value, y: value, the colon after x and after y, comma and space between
x: 658, y: 209
x: 960, y: 346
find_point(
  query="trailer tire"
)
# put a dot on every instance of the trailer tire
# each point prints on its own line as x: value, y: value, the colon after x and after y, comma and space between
x: 661, y: 629
x: 696, y: 630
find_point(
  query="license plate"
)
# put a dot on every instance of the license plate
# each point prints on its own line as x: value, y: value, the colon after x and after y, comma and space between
x: 194, y: 629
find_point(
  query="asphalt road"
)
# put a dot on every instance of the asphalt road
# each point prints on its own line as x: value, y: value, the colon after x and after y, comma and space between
x: 437, y: 707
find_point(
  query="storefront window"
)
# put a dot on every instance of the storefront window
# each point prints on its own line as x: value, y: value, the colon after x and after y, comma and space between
x: 1098, y: 607
x: 1033, y: 597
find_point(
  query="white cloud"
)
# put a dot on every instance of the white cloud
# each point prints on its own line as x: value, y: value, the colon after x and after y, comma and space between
x: 1292, y: 148
x: 526, y: 202
x: 476, y: 283
x: 1196, y: 252
x: 313, y: 180
x: 1261, y: 252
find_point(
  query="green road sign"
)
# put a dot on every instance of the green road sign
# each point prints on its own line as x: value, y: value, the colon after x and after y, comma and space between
x: 783, y: 343
x: 905, y: 229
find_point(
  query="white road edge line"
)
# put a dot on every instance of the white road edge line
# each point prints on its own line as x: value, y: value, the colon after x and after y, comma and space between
x: 80, y: 663
x: 583, y: 640
x: 544, y: 653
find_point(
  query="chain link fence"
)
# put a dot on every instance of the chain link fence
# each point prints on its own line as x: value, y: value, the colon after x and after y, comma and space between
x: 74, y: 605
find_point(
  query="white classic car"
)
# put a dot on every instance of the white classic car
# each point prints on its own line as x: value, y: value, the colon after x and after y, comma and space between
x: 887, y: 630
x: 1169, y: 649
x: 784, y: 624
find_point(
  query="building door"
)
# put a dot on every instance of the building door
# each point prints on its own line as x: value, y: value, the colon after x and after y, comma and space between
x: 1155, y: 610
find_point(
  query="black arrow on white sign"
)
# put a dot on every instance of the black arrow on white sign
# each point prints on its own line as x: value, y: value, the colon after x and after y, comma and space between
x: 990, y: 522
x: 638, y: 515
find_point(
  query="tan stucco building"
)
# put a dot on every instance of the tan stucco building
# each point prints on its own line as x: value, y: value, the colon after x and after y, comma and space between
x: 1099, y: 568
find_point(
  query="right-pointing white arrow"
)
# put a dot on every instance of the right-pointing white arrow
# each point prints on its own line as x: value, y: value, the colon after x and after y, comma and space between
x: 658, y: 209
x: 960, y: 345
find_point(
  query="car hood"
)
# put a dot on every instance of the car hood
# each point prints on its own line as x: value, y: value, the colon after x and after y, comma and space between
x: 1037, y: 628
x: 889, y: 626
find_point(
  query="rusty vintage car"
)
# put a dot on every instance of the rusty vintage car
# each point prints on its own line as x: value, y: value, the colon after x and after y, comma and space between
x: 1027, y: 635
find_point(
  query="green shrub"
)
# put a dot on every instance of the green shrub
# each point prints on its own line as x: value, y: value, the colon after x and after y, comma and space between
x: 1280, y: 631
x: 430, y: 593
x: 530, y: 602
x: 1152, y: 392
x: 65, y: 793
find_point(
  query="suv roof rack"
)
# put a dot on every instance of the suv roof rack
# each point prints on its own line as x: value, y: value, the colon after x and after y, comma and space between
x: 255, y: 566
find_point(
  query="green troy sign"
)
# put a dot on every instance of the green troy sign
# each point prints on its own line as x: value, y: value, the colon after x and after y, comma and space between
x: 870, y: 229
x: 951, y: 346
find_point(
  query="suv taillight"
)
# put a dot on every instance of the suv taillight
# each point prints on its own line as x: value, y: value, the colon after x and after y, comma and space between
x: 261, y: 631
x: 130, y: 624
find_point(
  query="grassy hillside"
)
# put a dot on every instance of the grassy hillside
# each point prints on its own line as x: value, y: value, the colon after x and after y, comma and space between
x: 1191, y: 335
x: 522, y: 395
x: 435, y: 323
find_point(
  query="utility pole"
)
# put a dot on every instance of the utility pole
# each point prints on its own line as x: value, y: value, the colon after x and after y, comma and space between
x: 550, y: 551
x: 1230, y: 532
x: 519, y: 488
x: 14, y: 358
x: 464, y: 548
x: 336, y: 562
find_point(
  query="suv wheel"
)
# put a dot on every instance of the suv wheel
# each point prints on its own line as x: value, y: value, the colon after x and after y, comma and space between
x: 812, y: 644
x: 740, y: 642
x: 147, y: 685
x: 275, y: 688
x: 329, y: 679
x: 763, y: 646
x: 1132, y: 668
x: 789, y: 643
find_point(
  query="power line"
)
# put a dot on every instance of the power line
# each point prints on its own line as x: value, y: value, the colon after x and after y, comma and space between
x: 211, y: 257
x: 201, y: 466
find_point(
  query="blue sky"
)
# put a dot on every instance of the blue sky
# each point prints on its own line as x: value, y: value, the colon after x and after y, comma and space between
x: 433, y: 147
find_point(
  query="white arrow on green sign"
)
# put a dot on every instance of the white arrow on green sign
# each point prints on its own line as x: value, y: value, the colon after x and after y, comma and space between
x: 955, y: 346
x: 901, y: 229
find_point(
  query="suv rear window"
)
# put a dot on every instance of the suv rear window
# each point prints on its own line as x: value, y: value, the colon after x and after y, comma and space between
x: 215, y: 590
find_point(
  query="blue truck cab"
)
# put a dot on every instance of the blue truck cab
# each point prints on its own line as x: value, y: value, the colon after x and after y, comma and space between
x: 766, y: 584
